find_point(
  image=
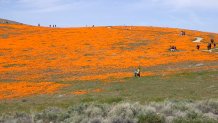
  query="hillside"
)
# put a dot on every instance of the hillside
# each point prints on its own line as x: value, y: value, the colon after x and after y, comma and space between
x: 86, y: 75
x: 5, y: 21
x: 35, y: 54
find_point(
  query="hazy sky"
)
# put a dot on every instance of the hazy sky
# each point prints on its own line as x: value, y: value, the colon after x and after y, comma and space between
x: 191, y: 14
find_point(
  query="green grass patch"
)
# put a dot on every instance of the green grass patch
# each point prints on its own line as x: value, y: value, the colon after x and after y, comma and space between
x: 4, y: 36
x: 13, y: 65
x: 184, y: 86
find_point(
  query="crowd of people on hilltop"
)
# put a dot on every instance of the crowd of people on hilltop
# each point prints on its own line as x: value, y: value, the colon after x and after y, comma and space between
x: 52, y: 26
x: 49, y: 26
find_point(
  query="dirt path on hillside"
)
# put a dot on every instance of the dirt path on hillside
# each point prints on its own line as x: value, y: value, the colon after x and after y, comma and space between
x: 198, y: 40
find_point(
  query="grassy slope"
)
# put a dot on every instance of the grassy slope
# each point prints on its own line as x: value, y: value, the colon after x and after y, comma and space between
x: 184, y: 86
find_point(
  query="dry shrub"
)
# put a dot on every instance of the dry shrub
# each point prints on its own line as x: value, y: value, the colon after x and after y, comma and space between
x: 124, y: 112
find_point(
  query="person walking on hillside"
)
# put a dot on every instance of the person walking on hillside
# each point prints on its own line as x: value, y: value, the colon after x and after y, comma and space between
x: 212, y: 41
x: 209, y: 46
x: 198, y: 47
x: 182, y: 33
x: 137, y: 72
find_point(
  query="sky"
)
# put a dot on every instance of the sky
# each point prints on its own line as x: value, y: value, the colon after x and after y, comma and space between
x: 189, y: 14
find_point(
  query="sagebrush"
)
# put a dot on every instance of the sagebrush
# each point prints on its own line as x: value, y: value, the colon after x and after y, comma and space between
x: 124, y: 112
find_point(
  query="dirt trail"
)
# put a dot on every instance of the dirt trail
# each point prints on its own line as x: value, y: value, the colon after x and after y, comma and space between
x: 198, y: 39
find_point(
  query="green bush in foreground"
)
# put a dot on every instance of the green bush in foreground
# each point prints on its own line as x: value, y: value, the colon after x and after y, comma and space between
x: 123, y: 112
x: 193, y: 117
x: 151, y: 118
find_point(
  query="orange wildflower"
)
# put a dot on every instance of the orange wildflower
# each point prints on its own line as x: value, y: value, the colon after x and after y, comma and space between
x: 35, y: 54
x: 80, y: 92
x: 22, y: 89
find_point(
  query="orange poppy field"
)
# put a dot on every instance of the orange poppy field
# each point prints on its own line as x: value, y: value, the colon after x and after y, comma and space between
x: 39, y: 60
